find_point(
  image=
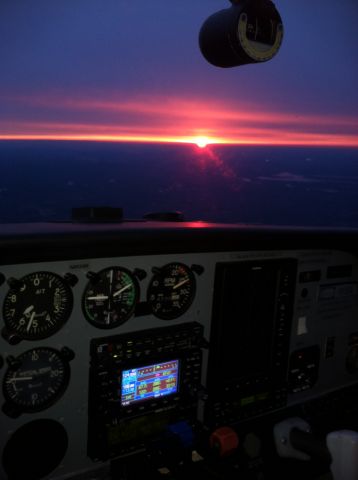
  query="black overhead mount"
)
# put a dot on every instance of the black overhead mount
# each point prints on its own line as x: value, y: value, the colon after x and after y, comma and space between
x: 250, y: 31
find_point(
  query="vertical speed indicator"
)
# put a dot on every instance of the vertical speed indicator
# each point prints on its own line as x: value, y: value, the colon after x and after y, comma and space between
x: 171, y: 290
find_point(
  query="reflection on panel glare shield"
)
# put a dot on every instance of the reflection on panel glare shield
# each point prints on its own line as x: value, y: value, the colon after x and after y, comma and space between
x: 149, y: 382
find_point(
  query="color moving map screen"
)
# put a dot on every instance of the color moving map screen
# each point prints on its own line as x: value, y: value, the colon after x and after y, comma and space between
x: 148, y: 382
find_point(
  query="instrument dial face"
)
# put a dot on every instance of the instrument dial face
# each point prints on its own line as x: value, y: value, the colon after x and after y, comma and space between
x: 36, y: 379
x: 38, y: 306
x: 171, y: 291
x: 110, y: 297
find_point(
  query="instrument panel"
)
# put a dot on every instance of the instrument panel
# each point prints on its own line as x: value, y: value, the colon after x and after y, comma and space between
x: 81, y: 339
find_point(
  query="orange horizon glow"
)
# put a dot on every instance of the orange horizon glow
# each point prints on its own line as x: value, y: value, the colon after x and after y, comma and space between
x: 173, y: 120
x: 304, y: 142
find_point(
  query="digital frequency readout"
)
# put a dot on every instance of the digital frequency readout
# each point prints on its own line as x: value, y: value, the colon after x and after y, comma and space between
x: 148, y: 382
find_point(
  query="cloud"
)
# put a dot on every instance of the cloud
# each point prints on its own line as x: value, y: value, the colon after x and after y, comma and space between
x: 168, y: 119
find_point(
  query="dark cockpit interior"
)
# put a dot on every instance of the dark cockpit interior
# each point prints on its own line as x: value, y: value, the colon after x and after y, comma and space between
x: 162, y: 350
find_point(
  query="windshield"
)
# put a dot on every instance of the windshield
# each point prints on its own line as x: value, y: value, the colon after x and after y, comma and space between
x: 113, y: 104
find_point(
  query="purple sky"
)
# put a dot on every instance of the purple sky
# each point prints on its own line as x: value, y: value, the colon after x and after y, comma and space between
x: 133, y: 69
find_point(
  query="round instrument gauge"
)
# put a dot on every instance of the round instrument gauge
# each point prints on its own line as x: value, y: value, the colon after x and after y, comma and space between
x: 35, y: 380
x: 35, y: 449
x: 110, y: 297
x: 37, y: 305
x: 171, y: 291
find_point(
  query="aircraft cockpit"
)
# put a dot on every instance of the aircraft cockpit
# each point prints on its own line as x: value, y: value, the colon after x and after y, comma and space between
x: 178, y: 240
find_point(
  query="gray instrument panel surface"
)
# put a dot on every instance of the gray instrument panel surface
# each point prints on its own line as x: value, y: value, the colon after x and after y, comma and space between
x: 317, y: 316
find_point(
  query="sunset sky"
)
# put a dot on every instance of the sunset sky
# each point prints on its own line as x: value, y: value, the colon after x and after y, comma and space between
x: 132, y: 71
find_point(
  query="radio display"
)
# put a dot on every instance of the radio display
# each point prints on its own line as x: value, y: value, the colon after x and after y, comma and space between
x: 148, y: 382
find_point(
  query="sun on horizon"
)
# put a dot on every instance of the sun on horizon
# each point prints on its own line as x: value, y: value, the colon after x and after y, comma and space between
x: 202, y: 142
